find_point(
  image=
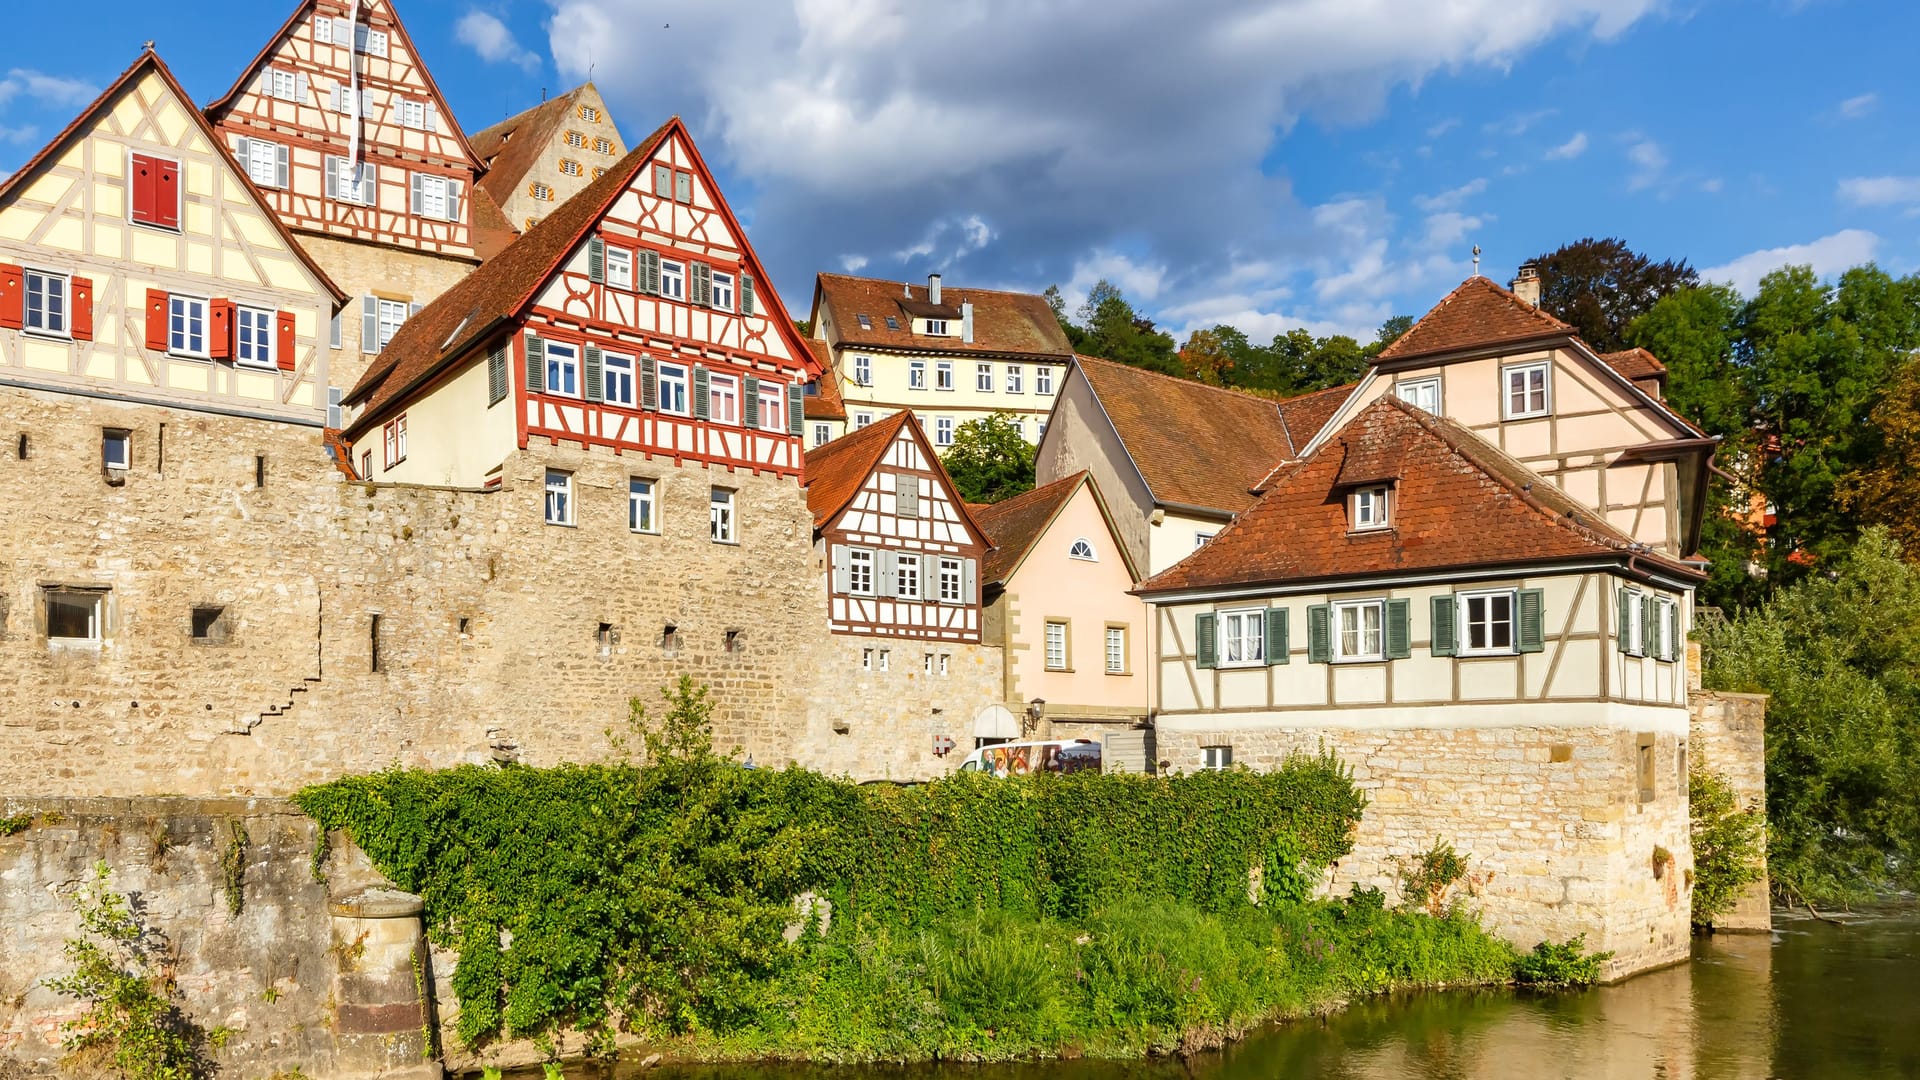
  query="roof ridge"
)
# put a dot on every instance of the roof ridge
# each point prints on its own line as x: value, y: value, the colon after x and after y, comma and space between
x: 1184, y: 381
x: 943, y: 285
x: 1553, y: 326
x: 1031, y: 494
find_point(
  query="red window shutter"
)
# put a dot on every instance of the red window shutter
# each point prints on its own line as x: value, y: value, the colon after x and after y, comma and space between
x: 166, y: 191
x: 157, y: 320
x: 146, y: 174
x: 220, y: 329
x: 283, y: 340
x: 81, y: 290
x: 13, y: 297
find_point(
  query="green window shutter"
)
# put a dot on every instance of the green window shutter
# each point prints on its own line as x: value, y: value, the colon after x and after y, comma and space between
x: 746, y: 295
x: 1679, y: 648
x: 1204, y: 653
x: 1277, y: 644
x: 649, y: 384
x: 1649, y: 612
x: 1446, y: 635
x: 796, y: 408
x: 1320, y: 634
x: 750, y: 403
x: 496, y: 375
x: 536, y: 365
x: 1533, y: 620
x: 1399, y: 629
x: 650, y: 272
x: 702, y: 400
x: 702, y: 291
x: 1623, y: 611
x: 595, y: 386
x: 597, y: 260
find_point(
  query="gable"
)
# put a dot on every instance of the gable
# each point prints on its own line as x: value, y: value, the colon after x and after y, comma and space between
x: 941, y: 516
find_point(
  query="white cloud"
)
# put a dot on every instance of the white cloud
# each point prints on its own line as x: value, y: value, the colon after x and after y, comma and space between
x: 21, y: 134
x: 53, y: 91
x: 1444, y: 126
x: 1570, y: 149
x: 1449, y: 228
x: 485, y: 34
x: 1828, y: 255
x: 1880, y: 190
x: 1519, y: 123
x: 1712, y: 185
x: 1138, y: 280
x: 1650, y: 164
x: 1856, y: 107
x: 853, y: 264
x: 1448, y: 200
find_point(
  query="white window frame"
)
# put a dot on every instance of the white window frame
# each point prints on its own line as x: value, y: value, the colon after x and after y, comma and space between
x: 1042, y: 379
x: 952, y: 581
x: 1665, y: 616
x: 943, y: 431
x: 1417, y: 392
x: 1507, y: 375
x: 862, y: 571
x: 773, y: 407
x: 723, y: 399
x: 255, y: 348
x: 1055, y: 638
x: 643, y: 505
x: 916, y: 374
x: 116, y: 449
x: 1016, y: 379
x: 1074, y: 550
x: 943, y: 375
x: 863, y: 371
x: 1200, y: 538
x: 886, y: 659
x: 183, y: 307
x: 673, y: 279
x: 616, y: 379
x: 283, y: 85
x: 1635, y: 630
x: 393, y: 442
x: 96, y: 619
x: 983, y: 378
x: 862, y: 420
x: 1116, y: 650
x: 49, y: 299
x: 410, y: 113
x: 389, y: 317
x: 822, y: 434
x: 906, y: 579
x: 722, y: 526
x: 563, y: 369
x: 722, y: 290
x: 558, y: 501
x: 1466, y: 620
x: 936, y: 328
x: 1242, y: 630
x: 434, y: 193
x: 620, y: 268
x: 354, y: 186
x: 1216, y: 758
x: 675, y: 389
x: 1359, y: 654
x: 1372, y: 508
x: 264, y: 173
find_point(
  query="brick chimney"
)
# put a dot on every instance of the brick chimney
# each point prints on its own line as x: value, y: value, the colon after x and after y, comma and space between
x: 933, y: 288
x: 1526, y: 283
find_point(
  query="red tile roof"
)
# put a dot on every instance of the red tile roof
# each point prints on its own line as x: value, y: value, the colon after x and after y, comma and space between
x: 1636, y: 364
x: 1014, y: 525
x: 1004, y: 323
x: 512, y: 147
x: 835, y: 471
x: 1475, y: 315
x: 1305, y: 415
x: 1458, y: 503
x: 825, y: 403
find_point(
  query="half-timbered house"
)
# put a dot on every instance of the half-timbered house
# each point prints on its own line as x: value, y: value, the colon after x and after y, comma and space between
x: 338, y: 122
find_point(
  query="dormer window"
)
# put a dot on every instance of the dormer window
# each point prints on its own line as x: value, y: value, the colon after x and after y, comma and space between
x: 866, y: 321
x: 1370, y: 509
x: 937, y: 327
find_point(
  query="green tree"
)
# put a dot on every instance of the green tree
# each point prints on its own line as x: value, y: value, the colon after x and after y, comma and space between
x: 1726, y: 845
x: 1390, y: 332
x: 1886, y: 490
x: 1115, y: 331
x: 1600, y: 286
x: 990, y: 459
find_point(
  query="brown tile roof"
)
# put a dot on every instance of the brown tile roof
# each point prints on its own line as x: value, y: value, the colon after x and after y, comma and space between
x: 835, y: 470
x: 1458, y: 503
x: 513, y: 146
x: 1194, y: 444
x: 1305, y: 415
x: 492, y: 232
x: 825, y: 402
x: 25, y: 173
x: 1003, y: 322
x: 498, y: 290
x: 1014, y: 525
x: 1636, y: 364
x: 1476, y: 314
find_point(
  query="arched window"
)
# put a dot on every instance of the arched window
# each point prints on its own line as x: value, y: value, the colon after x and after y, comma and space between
x: 1081, y: 549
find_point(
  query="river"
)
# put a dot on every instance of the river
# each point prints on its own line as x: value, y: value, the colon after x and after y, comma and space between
x: 1814, y: 1000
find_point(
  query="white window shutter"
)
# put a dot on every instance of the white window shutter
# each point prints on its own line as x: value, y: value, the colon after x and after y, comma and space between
x: 334, y: 99
x: 301, y: 88
x: 366, y: 103
x: 243, y: 149
x: 414, y: 206
x: 841, y: 572
x: 369, y: 178
x: 454, y: 190
x: 266, y: 82
x: 280, y: 166
x: 369, y: 324
x: 334, y: 165
x: 888, y: 585
x: 433, y: 122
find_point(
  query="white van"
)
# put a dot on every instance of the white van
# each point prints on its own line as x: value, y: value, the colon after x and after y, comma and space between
x: 1057, y: 756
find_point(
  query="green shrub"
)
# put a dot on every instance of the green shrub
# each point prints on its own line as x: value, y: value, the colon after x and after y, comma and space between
x: 1564, y: 965
x: 1727, y: 854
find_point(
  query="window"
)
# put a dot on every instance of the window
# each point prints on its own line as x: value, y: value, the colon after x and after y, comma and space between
x: 46, y: 303
x: 1243, y: 637
x: 1116, y: 650
x: 431, y: 197
x: 411, y: 114
x: 1039, y: 429
x: 540, y: 192
x: 720, y: 524
x: 866, y: 659
x: 351, y: 185
x: 943, y: 431
x: 722, y: 291
x: 389, y: 317
x: 673, y: 389
x: 570, y: 167
x: 1359, y: 632
x: 1081, y: 549
x: 1370, y: 508
x: 640, y: 506
x: 207, y: 624
x: 394, y: 437
x: 861, y: 420
x: 945, y: 660
x: 341, y: 100
x: 1661, y: 634
x: 156, y: 191
x: 863, y: 371
x: 906, y: 579
x: 917, y: 375
x: 1488, y: 628
x: 1043, y: 380
x: 773, y: 400
x: 1644, y: 766
x: 723, y: 399
x: 366, y: 464
x: 1200, y: 539
x: 886, y: 658
x: 576, y: 140
x: 559, y: 505
x: 1216, y: 758
x: 563, y: 369
x: 1422, y: 394
x: 265, y: 162
x: 673, y: 279
x: 860, y: 572
x: 620, y: 268
x: 1016, y: 379
x: 1633, y: 622
x: 1526, y: 390
x: 617, y: 375
x: 284, y: 85
x: 590, y: 114
x: 866, y: 321
x: 937, y: 327
x: 983, y: 378
x: 74, y: 614
x: 822, y: 433
x: 1056, y: 645
x: 604, y: 146
x: 253, y: 337
x: 951, y: 581
x: 893, y: 323
x: 116, y: 449
x: 187, y: 326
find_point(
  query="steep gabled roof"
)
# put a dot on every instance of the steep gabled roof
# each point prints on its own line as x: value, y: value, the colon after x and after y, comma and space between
x: 1194, y: 445
x: 150, y: 60
x: 1015, y: 525
x: 1477, y: 314
x: 825, y: 402
x: 1305, y: 415
x: 1458, y: 504
x: 1009, y: 323
x: 513, y: 146
x: 835, y: 472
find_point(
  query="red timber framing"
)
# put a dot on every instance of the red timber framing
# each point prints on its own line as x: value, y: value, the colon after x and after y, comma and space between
x: 305, y: 119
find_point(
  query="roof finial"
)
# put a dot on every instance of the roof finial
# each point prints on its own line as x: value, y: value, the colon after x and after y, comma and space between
x: 1476, y: 260
x: 148, y: 45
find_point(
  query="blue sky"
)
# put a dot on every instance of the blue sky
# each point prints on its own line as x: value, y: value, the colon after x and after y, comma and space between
x: 1325, y: 163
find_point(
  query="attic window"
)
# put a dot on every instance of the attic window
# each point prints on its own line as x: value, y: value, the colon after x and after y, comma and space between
x: 541, y: 192
x: 866, y: 322
x: 1081, y: 549
x: 604, y: 146
x: 893, y: 323
x: 570, y: 167
x: 576, y: 140
x: 1370, y: 508
x: 590, y: 114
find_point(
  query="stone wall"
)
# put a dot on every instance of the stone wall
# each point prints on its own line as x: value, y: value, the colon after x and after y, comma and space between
x: 365, y: 269
x: 1729, y: 737
x: 881, y: 725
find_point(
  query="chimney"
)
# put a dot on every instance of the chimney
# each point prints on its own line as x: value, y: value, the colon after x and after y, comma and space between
x: 933, y: 288
x: 966, y: 321
x: 1526, y: 283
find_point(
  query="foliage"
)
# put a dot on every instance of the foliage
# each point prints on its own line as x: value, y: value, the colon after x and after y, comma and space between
x: 1107, y: 326
x: 1563, y: 965
x: 118, y: 974
x: 233, y: 868
x: 1727, y: 846
x: 14, y: 824
x: 990, y: 459
x: 1600, y: 286
x: 1886, y: 489
x: 1426, y: 878
x: 1840, y: 656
